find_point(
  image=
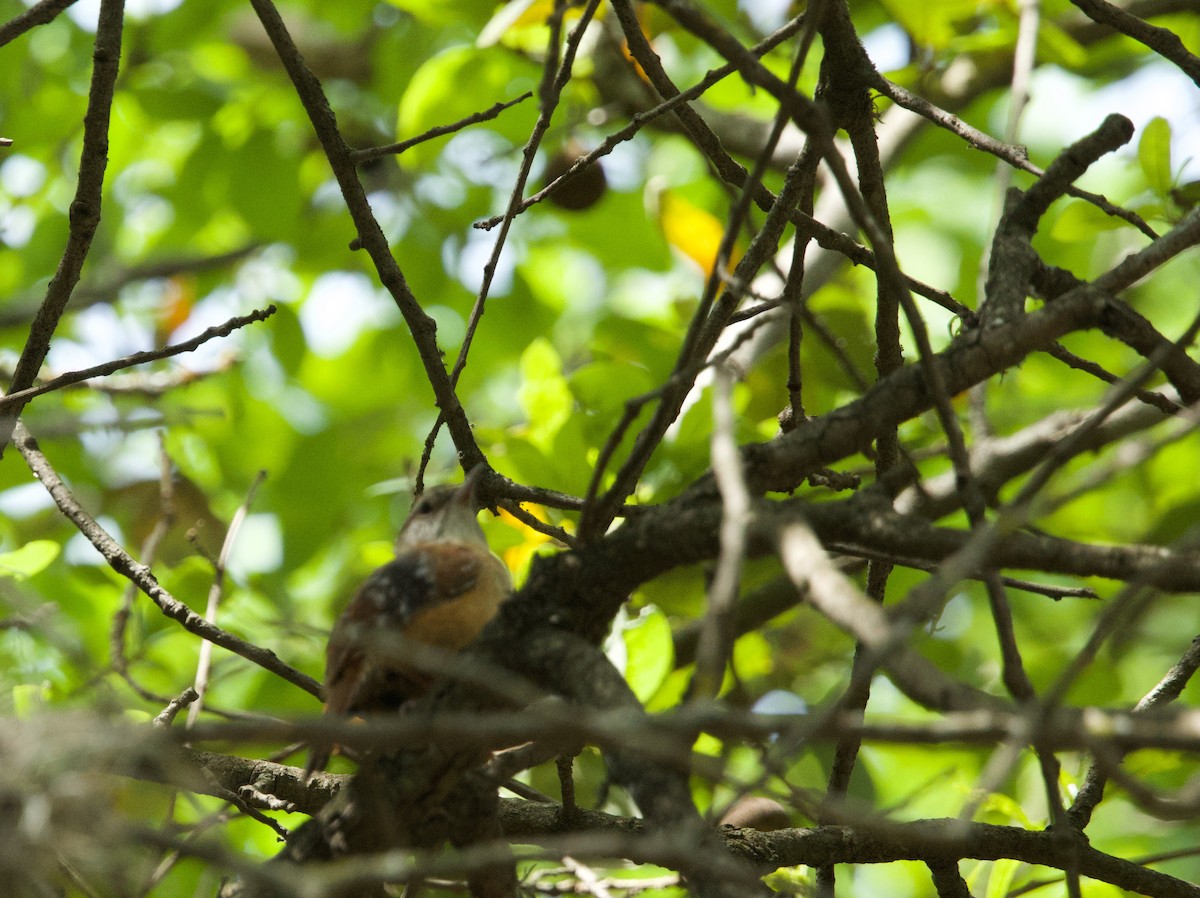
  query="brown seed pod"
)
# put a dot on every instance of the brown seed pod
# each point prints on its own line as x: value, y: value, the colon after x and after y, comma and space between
x: 585, y: 188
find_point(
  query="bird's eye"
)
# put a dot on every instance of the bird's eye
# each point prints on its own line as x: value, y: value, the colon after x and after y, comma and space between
x: 424, y: 506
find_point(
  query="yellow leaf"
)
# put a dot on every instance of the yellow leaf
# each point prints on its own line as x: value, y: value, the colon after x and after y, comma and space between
x: 519, y: 556
x: 693, y: 231
x: 516, y: 15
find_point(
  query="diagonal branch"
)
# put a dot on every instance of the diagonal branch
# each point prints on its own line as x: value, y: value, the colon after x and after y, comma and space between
x: 370, y: 234
x: 138, y: 358
x: 125, y: 565
x: 395, y: 149
x: 1162, y: 41
x: 39, y: 14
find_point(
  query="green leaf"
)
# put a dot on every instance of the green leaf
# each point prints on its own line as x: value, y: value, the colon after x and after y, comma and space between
x: 514, y: 14
x: 287, y: 338
x: 32, y: 558
x: 752, y: 656
x: 1003, y: 871
x: 650, y: 652
x: 474, y: 13
x: 28, y: 698
x: 1057, y: 46
x: 932, y: 24
x: 1080, y: 221
x: 544, y: 394
x: 1154, y: 154
x: 671, y: 692
x: 435, y: 95
x: 605, y: 386
x: 264, y: 186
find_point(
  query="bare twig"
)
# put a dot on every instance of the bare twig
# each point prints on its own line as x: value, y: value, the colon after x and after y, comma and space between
x: 39, y: 14
x: 22, y: 397
x: 148, y: 552
x: 104, y: 287
x: 1014, y: 154
x: 168, y: 714
x: 214, y: 597
x: 395, y: 149
x: 640, y: 119
x: 555, y: 76
x: 370, y: 234
x: 1165, y: 691
x: 716, y: 632
x: 711, y: 319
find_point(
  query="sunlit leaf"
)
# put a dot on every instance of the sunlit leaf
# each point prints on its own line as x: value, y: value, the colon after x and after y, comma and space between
x: 544, y: 393
x: 434, y: 95
x: 1080, y: 220
x: 514, y: 14
x: 32, y: 558
x: 932, y: 24
x: 649, y: 652
x: 1057, y: 46
x: 28, y: 698
x: 1000, y: 881
x: 1154, y: 154
x: 693, y: 231
x: 519, y: 554
x: 447, y: 12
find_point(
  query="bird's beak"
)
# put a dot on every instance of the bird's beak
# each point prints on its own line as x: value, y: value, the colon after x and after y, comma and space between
x: 465, y: 494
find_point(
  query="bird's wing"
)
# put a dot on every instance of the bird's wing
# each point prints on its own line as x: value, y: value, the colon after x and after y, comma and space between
x: 422, y: 577
x: 452, y: 570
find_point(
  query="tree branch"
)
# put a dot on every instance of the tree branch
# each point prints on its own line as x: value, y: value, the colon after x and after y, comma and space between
x: 22, y: 397
x: 85, y: 208
x: 370, y: 235
x: 121, y: 562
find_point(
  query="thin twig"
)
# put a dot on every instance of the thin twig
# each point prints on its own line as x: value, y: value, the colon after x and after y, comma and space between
x: 395, y: 149
x: 1164, y: 692
x: 214, y: 596
x: 370, y: 235
x: 21, y: 397
x: 148, y: 553
x: 706, y: 326
x: 1071, y: 360
x: 647, y: 116
x: 1014, y: 154
x: 555, y: 76
x: 168, y: 714
x: 38, y: 14
x: 716, y: 632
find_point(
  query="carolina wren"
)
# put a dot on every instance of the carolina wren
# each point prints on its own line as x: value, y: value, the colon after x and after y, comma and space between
x: 442, y: 588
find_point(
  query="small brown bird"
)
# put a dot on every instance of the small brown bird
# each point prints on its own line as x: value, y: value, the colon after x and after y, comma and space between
x: 442, y: 588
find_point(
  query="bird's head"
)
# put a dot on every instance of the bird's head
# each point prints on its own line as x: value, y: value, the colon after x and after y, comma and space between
x: 445, y: 513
